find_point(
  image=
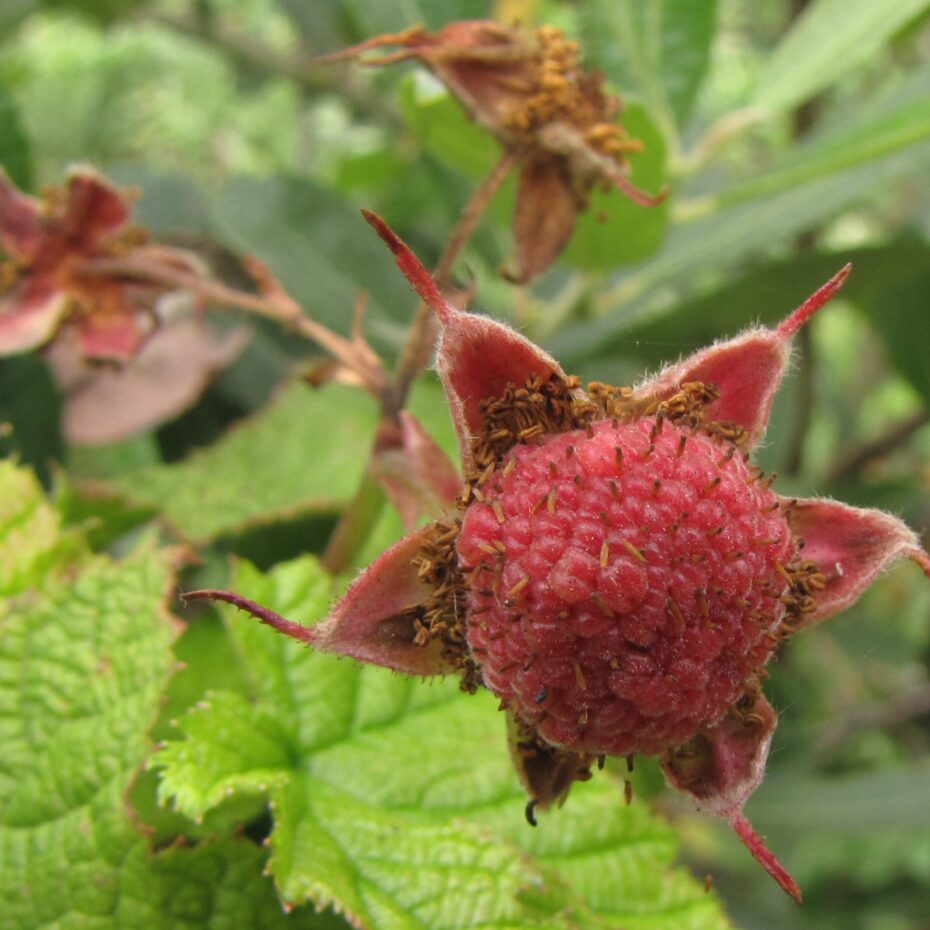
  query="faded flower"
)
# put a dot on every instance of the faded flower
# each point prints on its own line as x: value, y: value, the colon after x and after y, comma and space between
x: 530, y: 92
x: 53, y: 277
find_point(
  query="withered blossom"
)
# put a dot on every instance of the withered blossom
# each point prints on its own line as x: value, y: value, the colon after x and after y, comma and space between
x: 529, y: 91
x: 48, y: 279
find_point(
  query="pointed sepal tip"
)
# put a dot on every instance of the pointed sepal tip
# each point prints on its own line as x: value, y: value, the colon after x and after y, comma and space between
x: 412, y: 268
x: 288, y: 627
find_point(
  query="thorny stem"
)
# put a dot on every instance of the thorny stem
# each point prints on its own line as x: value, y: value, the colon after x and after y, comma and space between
x: 416, y: 353
x: 279, y: 307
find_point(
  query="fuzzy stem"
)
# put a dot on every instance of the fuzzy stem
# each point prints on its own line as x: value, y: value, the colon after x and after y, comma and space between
x: 764, y: 856
x: 269, y: 617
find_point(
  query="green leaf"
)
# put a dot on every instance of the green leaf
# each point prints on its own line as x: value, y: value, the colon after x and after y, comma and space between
x: 32, y: 543
x: 303, y: 454
x: 728, y: 233
x: 828, y: 39
x: 898, y: 311
x: 319, y: 247
x: 15, y: 155
x: 442, y: 126
x: 613, y: 230
x: 896, y: 121
x: 85, y: 651
x: 394, y: 800
x: 30, y: 409
x: 765, y: 296
x: 656, y: 49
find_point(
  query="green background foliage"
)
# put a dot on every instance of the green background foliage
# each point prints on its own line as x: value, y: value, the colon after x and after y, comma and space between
x: 138, y: 793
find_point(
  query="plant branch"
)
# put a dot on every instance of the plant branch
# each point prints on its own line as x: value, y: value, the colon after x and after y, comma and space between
x: 915, y: 703
x: 855, y: 459
x: 153, y: 268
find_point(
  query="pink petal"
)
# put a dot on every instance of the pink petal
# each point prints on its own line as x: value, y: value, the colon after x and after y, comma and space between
x: 20, y: 221
x: 415, y: 473
x: 477, y: 357
x: 722, y: 766
x: 746, y: 370
x: 94, y: 211
x: 104, y: 404
x: 852, y: 546
x: 30, y: 314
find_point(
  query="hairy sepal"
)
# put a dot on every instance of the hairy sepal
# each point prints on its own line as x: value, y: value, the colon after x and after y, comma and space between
x: 852, y: 546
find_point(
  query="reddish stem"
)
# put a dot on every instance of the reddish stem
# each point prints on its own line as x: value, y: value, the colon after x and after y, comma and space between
x: 764, y: 856
x: 288, y: 627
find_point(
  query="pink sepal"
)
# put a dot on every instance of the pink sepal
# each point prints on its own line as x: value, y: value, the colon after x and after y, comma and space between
x: 370, y: 624
x: 477, y: 357
x: 746, y: 370
x: 722, y: 766
x: 20, y: 221
x: 852, y: 546
x: 30, y: 314
x: 94, y: 210
x: 415, y: 473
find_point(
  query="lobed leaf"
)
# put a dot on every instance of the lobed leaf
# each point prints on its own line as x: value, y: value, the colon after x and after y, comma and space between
x: 303, y: 454
x: 85, y: 651
x: 393, y: 799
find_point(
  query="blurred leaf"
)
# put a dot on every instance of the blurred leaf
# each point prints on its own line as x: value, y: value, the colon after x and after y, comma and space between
x: 898, y: 310
x: 658, y: 50
x: 31, y: 407
x: 15, y: 154
x: 303, y: 454
x: 442, y: 126
x: 103, y: 11
x: 394, y: 800
x: 881, y: 801
x: 323, y: 24
x: 614, y: 231
x: 720, y: 239
x: 901, y: 118
x: 12, y: 13
x: 828, y: 39
x: 766, y: 295
x: 394, y: 15
x: 101, y: 518
x: 317, y: 244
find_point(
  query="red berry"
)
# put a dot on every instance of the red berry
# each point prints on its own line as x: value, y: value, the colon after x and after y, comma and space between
x: 624, y: 583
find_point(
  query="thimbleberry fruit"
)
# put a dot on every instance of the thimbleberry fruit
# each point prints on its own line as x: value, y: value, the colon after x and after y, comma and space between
x: 624, y: 583
x: 615, y: 570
